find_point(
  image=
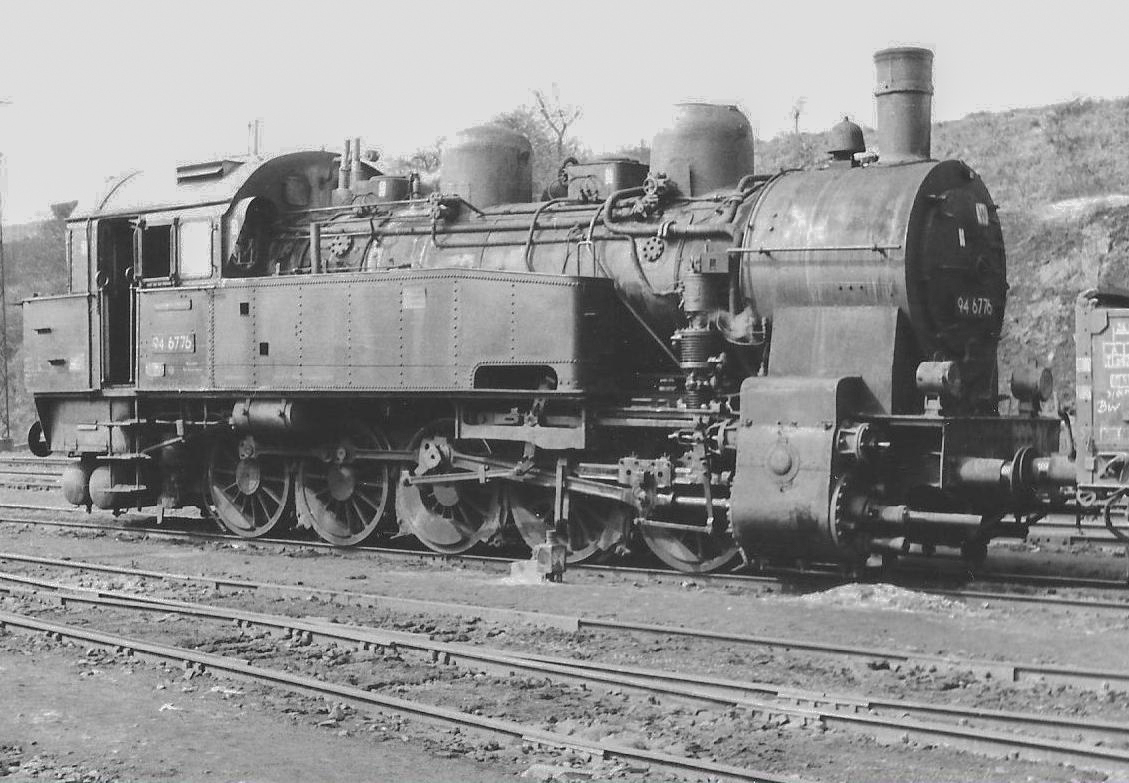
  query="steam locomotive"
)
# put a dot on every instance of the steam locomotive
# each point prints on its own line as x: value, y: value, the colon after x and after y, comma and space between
x: 714, y: 362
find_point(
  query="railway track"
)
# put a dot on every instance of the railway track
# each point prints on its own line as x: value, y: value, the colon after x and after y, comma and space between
x: 1007, y: 671
x: 917, y: 579
x: 23, y: 472
x: 995, y: 733
x: 225, y: 666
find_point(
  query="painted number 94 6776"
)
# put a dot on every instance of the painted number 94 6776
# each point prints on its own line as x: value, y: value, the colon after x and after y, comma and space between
x: 975, y: 306
x: 174, y: 343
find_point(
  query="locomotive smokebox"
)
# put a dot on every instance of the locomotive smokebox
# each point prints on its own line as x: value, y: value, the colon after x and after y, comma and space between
x: 904, y: 97
x: 706, y: 147
x: 488, y: 165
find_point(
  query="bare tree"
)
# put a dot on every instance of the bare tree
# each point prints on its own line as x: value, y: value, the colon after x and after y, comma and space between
x: 426, y: 159
x: 550, y: 145
x: 558, y: 116
x: 797, y: 110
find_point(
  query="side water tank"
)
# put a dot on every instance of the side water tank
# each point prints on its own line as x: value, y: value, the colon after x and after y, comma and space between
x: 488, y: 165
x: 706, y: 147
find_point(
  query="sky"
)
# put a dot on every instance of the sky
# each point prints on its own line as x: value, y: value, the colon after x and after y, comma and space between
x: 99, y: 88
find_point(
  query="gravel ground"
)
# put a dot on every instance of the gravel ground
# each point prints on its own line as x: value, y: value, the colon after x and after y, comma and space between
x: 861, y: 615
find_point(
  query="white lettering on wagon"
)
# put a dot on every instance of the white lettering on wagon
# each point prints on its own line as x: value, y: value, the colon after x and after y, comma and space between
x: 1115, y: 355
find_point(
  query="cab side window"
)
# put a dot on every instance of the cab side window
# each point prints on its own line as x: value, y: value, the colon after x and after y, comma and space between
x: 194, y: 256
x: 156, y: 251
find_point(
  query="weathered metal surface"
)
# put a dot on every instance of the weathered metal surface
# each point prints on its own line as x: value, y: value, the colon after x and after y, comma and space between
x: 904, y: 97
x: 57, y: 343
x: 155, y: 190
x: 928, y: 243
x: 846, y: 139
x: 597, y: 180
x: 397, y: 331
x: 488, y: 165
x: 705, y: 147
x: 1102, y: 388
x: 81, y: 424
x: 785, y: 446
x: 824, y: 342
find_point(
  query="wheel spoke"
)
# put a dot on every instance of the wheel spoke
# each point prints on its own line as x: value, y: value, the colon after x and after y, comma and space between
x: 474, y: 516
x: 275, y: 496
x: 356, y: 512
x: 374, y: 505
x: 691, y: 552
x: 253, y: 514
x: 344, y: 522
x: 268, y: 502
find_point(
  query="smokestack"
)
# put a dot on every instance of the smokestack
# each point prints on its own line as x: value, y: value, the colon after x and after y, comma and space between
x: 904, y: 98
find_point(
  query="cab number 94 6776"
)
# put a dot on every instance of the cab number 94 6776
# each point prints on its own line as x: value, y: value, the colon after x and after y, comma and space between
x: 173, y: 343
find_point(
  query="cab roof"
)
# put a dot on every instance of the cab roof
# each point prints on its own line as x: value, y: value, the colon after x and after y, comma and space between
x: 204, y: 183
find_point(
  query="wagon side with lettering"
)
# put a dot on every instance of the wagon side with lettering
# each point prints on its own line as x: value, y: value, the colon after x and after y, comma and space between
x: 1102, y: 399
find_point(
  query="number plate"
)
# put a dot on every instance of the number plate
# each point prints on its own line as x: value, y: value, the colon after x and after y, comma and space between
x: 174, y: 343
x: 975, y: 307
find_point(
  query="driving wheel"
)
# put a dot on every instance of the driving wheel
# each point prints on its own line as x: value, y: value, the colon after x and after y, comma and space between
x: 344, y: 495
x: 447, y: 516
x: 594, y: 525
x: 694, y: 551
x: 249, y: 493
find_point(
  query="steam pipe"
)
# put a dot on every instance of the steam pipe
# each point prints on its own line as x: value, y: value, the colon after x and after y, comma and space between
x: 533, y: 230
x: 514, y: 209
x: 315, y: 247
x: 748, y: 180
x: 669, y: 230
x: 613, y: 202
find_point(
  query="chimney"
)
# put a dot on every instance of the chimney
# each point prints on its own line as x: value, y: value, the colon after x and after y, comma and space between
x: 904, y: 97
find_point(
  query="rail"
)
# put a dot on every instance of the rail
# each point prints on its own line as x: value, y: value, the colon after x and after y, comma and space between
x: 225, y: 666
x: 873, y: 716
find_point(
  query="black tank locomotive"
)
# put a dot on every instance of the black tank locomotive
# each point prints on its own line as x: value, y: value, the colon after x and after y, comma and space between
x: 715, y: 362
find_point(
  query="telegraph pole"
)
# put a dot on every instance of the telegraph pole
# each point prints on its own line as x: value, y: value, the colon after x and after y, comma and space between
x: 6, y: 436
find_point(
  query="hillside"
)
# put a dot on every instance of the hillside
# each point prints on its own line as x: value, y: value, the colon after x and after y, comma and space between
x: 1061, y: 177
x: 34, y: 263
x: 1059, y: 174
